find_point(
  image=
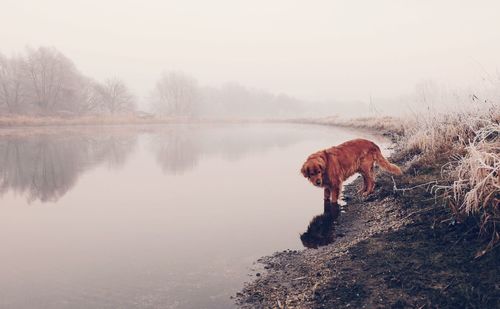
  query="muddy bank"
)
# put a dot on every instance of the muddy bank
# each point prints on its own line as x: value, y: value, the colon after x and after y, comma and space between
x: 397, y: 249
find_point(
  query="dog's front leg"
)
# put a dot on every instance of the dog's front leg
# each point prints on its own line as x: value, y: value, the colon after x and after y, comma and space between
x: 331, y: 207
x: 327, y: 204
x: 335, y: 207
x: 327, y: 194
x: 335, y: 192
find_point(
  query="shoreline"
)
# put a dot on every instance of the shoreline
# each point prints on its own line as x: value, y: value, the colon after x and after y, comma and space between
x: 48, y: 125
x: 386, y: 124
x: 399, y: 248
x: 20, y: 122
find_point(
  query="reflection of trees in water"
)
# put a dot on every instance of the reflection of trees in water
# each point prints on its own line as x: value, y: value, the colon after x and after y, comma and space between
x: 45, y: 167
x: 111, y: 149
x: 178, y: 148
x: 236, y: 142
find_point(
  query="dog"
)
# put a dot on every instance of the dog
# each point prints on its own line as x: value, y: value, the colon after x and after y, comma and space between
x: 330, y: 167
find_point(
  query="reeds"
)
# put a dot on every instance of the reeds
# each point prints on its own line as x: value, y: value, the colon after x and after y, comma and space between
x: 468, y: 143
x: 476, y: 188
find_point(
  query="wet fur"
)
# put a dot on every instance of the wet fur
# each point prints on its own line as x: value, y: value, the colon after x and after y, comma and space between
x: 329, y: 168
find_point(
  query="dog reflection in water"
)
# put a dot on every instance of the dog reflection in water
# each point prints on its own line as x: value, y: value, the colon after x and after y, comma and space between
x: 320, y: 231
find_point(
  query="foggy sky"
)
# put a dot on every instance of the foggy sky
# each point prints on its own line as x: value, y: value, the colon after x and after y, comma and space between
x: 345, y: 50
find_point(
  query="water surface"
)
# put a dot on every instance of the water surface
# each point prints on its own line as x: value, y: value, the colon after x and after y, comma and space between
x: 157, y: 217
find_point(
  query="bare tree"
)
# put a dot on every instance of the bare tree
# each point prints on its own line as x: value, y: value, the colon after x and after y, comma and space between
x: 90, y: 100
x: 44, y: 81
x: 115, y: 97
x: 12, y: 84
x: 175, y: 94
x: 53, y: 79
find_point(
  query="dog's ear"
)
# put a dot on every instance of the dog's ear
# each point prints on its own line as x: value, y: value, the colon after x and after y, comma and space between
x: 303, y: 170
x: 322, y: 164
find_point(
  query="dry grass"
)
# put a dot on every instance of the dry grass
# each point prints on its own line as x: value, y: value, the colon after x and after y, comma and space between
x: 469, y: 142
x: 478, y: 171
x: 476, y: 188
x: 23, y: 121
x: 433, y: 134
x: 381, y: 124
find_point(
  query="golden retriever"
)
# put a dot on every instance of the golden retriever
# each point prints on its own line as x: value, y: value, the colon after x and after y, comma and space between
x: 330, y: 167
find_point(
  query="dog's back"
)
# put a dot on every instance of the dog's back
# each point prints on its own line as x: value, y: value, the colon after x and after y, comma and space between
x: 353, y: 153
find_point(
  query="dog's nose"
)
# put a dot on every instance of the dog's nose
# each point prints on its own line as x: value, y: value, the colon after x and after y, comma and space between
x: 318, y: 182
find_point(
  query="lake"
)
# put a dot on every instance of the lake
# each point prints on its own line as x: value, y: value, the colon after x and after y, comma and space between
x: 169, y: 216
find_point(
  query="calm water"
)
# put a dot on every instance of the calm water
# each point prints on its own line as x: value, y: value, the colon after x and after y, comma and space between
x: 164, y: 217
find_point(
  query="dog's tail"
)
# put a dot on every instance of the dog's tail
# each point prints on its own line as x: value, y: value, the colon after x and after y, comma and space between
x: 386, y: 165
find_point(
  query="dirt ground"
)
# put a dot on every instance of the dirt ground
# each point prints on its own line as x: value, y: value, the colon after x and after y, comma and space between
x: 396, y: 249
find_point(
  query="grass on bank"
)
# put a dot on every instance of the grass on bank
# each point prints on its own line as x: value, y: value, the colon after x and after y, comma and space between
x: 385, y: 124
x: 27, y: 121
x: 468, y: 142
x: 7, y: 121
x: 21, y: 121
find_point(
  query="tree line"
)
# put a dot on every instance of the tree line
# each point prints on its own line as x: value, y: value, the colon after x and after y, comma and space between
x: 178, y: 94
x: 44, y: 82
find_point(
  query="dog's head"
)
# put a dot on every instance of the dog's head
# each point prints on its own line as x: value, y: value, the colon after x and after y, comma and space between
x: 314, y: 169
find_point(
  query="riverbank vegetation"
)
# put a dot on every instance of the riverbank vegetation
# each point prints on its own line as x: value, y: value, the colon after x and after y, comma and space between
x: 462, y: 143
x: 465, y: 144
x: 387, y: 125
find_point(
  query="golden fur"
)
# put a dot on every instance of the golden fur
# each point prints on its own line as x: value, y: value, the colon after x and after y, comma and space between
x: 330, y: 167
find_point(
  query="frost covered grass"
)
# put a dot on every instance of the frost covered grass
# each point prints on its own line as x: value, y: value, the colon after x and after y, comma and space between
x: 466, y: 144
x: 385, y: 124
